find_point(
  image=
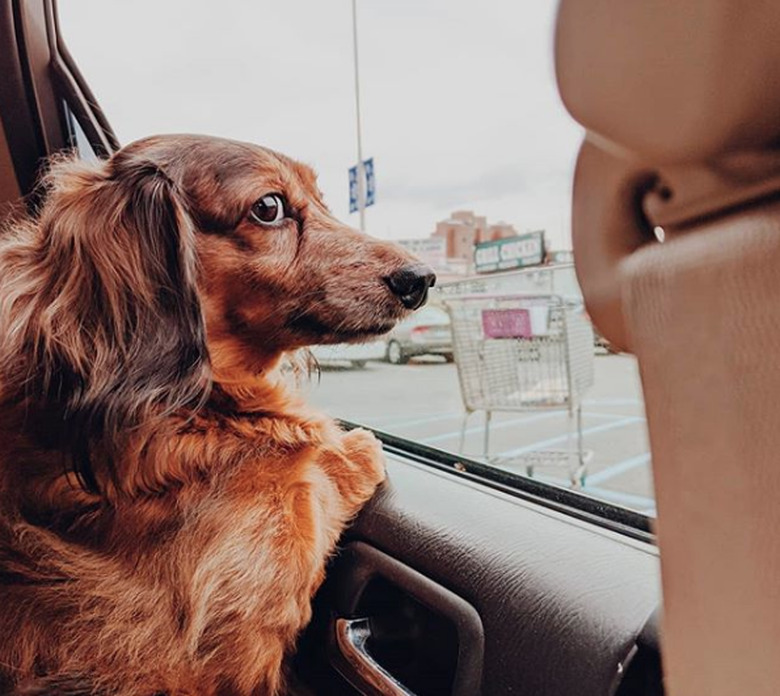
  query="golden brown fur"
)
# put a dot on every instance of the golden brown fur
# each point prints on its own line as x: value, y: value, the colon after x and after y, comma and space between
x: 167, y: 503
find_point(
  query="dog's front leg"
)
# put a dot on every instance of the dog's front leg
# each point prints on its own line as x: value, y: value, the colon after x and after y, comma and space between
x: 356, y: 465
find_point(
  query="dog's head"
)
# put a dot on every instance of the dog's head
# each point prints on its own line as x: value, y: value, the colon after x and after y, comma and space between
x: 277, y: 270
x: 180, y: 260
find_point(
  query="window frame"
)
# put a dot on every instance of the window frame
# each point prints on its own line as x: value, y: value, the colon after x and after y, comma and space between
x: 571, y: 502
x: 46, y: 90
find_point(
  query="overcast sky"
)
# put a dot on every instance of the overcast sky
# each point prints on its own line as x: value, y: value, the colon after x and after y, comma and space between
x: 458, y: 97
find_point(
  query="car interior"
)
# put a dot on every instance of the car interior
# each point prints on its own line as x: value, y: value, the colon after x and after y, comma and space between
x: 461, y: 579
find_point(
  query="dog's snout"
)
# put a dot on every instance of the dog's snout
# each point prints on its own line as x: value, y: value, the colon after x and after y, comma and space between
x: 410, y: 284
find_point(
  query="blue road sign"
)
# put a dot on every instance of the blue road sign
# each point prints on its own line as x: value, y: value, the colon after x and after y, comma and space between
x: 368, y: 165
x: 353, y: 189
x: 370, y: 187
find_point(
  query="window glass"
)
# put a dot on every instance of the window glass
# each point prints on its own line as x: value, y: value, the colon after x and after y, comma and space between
x: 473, y: 158
x: 79, y: 137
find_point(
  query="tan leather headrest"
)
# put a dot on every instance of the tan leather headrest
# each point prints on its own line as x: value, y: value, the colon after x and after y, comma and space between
x: 672, y: 80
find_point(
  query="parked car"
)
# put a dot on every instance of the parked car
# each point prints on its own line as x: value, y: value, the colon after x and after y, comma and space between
x: 426, y: 332
x: 358, y: 354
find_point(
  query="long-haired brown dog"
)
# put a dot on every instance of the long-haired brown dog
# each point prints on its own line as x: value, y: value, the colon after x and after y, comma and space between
x: 167, y: 504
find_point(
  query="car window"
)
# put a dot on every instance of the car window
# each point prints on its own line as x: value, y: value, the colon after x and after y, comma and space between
x: 79, y: 138
x: 469, y: 160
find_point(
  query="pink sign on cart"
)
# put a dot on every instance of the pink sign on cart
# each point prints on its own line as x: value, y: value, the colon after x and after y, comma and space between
x: 506, y: 323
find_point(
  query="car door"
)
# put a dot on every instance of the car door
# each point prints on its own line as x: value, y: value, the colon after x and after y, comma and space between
x: 459, y: 577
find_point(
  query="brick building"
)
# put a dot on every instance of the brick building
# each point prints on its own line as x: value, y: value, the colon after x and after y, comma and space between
x: 463, y: 229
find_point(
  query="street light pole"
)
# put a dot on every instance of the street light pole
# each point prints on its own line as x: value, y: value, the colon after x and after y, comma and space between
x: 361, y: 175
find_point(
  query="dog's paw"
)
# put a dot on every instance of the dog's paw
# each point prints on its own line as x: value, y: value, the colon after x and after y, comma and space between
x: 364, y: 449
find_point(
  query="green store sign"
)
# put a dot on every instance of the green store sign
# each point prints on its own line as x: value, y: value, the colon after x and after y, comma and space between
x: 512, y: 252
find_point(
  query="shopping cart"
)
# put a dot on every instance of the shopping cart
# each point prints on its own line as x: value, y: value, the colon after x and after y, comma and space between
x: 524, y: 353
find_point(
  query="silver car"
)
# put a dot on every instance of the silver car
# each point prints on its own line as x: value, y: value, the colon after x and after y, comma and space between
x: 426, y: 332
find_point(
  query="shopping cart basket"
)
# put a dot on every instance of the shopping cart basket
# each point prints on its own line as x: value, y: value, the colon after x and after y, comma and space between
x: 524, y: 353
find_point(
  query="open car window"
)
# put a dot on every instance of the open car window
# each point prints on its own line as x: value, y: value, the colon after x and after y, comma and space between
x: 472, y: 158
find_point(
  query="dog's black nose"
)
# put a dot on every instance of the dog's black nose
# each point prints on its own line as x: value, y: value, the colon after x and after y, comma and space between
x: 411, y: 284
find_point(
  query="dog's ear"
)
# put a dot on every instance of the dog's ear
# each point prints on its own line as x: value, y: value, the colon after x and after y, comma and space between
x: 116, y: 333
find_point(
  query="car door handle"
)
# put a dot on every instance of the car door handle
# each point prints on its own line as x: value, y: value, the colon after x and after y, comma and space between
x: 362, y: 670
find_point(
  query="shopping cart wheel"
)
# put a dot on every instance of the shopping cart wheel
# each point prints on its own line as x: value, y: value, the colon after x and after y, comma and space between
x: 529, y: 470
x: 395, y: 354
x: 578, y: 477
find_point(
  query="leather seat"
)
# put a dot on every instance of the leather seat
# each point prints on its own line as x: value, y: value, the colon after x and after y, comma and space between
x: 681, y: 104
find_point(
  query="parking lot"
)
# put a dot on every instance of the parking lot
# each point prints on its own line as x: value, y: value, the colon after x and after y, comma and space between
x: 421, y: 401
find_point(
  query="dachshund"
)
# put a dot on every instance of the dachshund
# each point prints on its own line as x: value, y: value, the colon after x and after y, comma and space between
x: 167, y: 500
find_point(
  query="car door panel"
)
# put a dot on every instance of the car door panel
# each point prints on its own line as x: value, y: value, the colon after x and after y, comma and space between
x: 561, y: 601
x: 428, y: 637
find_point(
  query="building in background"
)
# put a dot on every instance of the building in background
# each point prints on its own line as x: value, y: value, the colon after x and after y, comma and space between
x: 462, y: 231
x: 465, y: 244
x: 430, y: 250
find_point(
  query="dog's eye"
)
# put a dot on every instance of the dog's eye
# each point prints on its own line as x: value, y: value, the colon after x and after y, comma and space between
x: 269, y: 209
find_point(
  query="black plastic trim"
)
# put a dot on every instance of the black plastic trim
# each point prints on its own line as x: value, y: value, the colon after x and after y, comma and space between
x: 642, y: 671
x: 76, y: 92
x: 39, y: 74
x: 361, y: 562
x: 570, y: 502
x: 22, y: 127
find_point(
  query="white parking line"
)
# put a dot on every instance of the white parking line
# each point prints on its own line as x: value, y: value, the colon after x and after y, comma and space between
x: 530, y: 418
x: 542, y: 444
x: 614, y: 402
x: 494, y: 426
x: 406, y: 421
x: 619, y: 468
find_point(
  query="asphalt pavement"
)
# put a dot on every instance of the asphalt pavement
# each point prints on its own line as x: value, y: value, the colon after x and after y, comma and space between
x: 421, y: 401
